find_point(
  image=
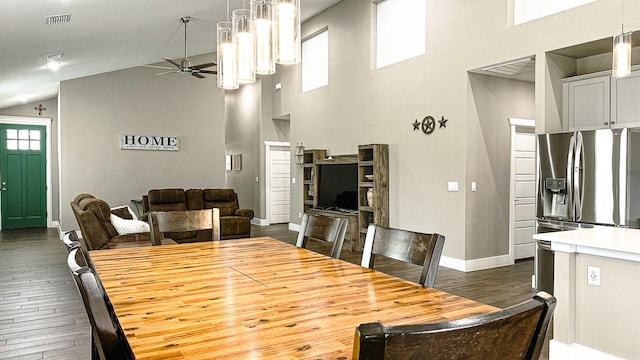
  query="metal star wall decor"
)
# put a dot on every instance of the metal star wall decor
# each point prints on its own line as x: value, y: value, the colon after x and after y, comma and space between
x: 416, y: 125
x: 443, y: 122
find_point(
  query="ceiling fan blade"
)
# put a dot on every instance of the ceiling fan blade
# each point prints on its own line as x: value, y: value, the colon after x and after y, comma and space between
x: 159, y: 67
x: 173, y: 62
x: 202, y: 66
x: 208, y: 72
x: 167, y: 72
x: 197, y: 75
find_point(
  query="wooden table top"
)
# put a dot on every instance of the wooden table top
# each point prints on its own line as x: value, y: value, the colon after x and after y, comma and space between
x: 257, y: 298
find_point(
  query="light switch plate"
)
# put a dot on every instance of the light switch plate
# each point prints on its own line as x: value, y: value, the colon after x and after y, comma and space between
x: 452, y: 186
x: 474, y: 186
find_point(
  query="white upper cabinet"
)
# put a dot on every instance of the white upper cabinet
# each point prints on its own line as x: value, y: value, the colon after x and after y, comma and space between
x: 625, y: 101
x: 585, y: 103
x: 600, y: 101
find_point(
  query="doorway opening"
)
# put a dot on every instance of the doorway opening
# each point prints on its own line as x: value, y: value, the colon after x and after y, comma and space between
x: 278, y: 184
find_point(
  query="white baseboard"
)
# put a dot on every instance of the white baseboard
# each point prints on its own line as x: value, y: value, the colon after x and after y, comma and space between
x: 260, y: 222
x: 562, y: 351
x: 294, y: 227
x: 475, y: 264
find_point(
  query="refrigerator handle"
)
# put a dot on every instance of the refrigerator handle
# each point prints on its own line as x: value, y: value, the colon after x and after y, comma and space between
x: 578, y: 181
x: 570, y: 180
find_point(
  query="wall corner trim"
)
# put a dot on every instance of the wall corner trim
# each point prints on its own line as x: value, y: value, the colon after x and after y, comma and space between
x: 476, y: 264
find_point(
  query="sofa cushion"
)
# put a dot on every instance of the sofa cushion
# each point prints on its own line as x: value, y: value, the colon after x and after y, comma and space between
x: 167, y: 200
x: 128, y: 226
x: 194, y: 199
x: 224, y: 199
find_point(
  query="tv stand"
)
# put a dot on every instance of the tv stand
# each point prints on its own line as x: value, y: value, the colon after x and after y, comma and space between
x: 352, y: 229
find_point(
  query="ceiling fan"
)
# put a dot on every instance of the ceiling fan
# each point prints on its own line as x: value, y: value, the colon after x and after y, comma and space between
x: 184, y: 66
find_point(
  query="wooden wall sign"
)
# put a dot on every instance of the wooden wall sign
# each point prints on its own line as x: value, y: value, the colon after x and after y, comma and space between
x: 149, y: 142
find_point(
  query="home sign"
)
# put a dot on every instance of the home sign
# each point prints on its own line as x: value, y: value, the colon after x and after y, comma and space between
x: 149, y: 142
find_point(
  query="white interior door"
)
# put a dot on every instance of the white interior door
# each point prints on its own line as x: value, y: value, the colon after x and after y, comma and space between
x: 523, y: 190
x: 280, y: 186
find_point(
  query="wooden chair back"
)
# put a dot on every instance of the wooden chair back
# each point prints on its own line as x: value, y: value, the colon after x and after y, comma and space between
x: 408, y: 246
x: 323, y: 228
x: 180, y: 221
x: 71, y: 240
x: 108, y: 339
x: 516, y: 332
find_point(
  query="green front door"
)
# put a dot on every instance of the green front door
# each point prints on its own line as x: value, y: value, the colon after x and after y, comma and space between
x: 23, y: 176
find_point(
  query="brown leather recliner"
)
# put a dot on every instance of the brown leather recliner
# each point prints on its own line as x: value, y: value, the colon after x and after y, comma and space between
x: 234, y: 222
x: 94, y: 218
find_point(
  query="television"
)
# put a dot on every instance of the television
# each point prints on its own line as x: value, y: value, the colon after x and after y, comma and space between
x: 338, y: 186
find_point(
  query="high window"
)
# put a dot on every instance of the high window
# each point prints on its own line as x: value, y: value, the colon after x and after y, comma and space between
x: 527, y: 10
x: 401, y: 28
x: 315, y: 61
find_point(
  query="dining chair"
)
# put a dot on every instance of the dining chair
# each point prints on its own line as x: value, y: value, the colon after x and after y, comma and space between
x: 408, y: 246
x: 162, y: 222
x: 71, y: 240
x: 516, y: 332
x: 107, y: 338
x: 323, y: 228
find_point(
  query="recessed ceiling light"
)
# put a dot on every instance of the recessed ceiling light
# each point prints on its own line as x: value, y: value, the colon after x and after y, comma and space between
x: 52, y: 61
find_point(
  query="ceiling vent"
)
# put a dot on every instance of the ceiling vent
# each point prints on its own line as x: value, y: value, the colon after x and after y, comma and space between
x: 52, y: 57
x: 58, y: 19
x: 513, y: 67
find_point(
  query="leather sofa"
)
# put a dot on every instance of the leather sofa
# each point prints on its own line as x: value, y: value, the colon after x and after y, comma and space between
x: 94, y: 218
x: 234, y: 221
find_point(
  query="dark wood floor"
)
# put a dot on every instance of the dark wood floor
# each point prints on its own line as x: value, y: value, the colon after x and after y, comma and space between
x: 42, y: 316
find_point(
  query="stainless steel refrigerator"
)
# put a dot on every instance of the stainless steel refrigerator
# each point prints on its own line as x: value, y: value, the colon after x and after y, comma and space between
x: 585, y: 178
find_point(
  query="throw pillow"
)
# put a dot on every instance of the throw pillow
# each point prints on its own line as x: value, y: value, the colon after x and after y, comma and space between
x: 124, y: 226
x: 124, y: 212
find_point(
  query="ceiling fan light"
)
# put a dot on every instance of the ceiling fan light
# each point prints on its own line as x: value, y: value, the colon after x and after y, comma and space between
x: 245, y: 42
x: 262, y: 22
x: 622, y: 54
x: 227, y: 61
x: 287, y: 39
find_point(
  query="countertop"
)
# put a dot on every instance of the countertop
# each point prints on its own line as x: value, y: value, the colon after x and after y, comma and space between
x: 619, y: 243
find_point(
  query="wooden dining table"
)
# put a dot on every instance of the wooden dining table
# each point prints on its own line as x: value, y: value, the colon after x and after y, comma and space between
x: 257, y: 298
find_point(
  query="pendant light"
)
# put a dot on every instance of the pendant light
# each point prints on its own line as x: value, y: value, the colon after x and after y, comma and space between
x: 244, y: 40
x: 622, y: 51
x: 287, y: 19
x: 262, y: 21
x: 227, y: 57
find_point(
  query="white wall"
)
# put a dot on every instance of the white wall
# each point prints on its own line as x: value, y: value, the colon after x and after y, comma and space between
x: 93, y: 112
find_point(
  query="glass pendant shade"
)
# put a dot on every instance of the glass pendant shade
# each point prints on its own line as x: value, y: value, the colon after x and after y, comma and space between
x: 287, y: 19
x: 245, y: 42
x: 262, y: 22
x: 622, y: 54
x: 227, y: 61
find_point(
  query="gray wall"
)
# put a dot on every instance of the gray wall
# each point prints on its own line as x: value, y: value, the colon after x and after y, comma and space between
x: 363, y: 105
x: 51, y: 112
x: 93, y: 112
x: 493, y: 101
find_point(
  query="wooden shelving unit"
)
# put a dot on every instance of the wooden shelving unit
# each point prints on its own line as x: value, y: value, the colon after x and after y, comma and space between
x: 310, y: 177
x: 373, y: 175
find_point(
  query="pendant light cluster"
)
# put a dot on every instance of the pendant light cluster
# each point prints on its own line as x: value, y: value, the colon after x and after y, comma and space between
x: 621, y: 66
x: 257, y: 38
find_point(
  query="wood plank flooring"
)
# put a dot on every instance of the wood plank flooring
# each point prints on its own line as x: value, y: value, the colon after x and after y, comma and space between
x: 42, y: 316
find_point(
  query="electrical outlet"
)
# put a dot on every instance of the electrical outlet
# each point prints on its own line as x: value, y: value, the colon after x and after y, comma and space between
x: 293, y: 180
x: 299, y: 215
x: 593, y: 275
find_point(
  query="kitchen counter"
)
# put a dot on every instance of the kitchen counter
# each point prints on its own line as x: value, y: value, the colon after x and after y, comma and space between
x: 595, y: 283
x: 607, y: 241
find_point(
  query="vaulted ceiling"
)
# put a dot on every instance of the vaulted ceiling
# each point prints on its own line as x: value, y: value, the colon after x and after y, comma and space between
x: 102, y: 36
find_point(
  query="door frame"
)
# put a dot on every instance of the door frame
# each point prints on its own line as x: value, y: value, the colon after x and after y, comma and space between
x: 513, y: 123
x: 40, y: 121
x: 267, y: 178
